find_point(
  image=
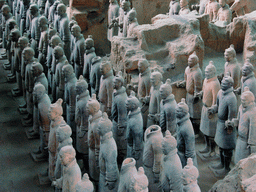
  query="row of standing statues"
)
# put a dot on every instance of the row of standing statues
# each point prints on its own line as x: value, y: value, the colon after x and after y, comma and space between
x: 79, y: 109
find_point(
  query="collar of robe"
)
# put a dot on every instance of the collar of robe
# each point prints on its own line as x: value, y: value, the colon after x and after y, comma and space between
x: 244, y: 78
x: 88, y: 51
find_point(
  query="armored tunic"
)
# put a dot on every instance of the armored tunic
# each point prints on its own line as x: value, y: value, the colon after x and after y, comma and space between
x: 35, y: 34
x: 89, y: 54
x: 108, y: 162
x: 234, y: 69
x: 95, y: 77
x: 78, y: 55
x: 250, y: 82
x: 194, y: 78
x: 246, y: 132
x: 186, y: 140
x: 171, y: 172
x: 226, y: 107
x: 113, y: 13
x: 59, y: 77
x: 168, y: 114
x: 81, y: 119
x: 210, y: 90
x: 42, y: 48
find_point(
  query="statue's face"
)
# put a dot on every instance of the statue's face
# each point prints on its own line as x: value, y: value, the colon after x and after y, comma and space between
x: 52, y: 114
x: 225, y: 84
x: 165, y: 147
x: 179, y: 112
x: 228, y: 56
x: 164, y: 93
x: 54, y: 43
x: 75, y: 32
x: 65, y: 158
x: 34, y: 71
x: 104, y: 69
x: 33, y: 10
x: 191, y: 62
x: 185, y: 178
x: 5, y: 12
x: 154, y: 80
x: 57, y: 55
x: 131, y: 17
x: 141, y: 67
x: 245, y: 70
x: 222, y: 3
x: 27, y: 55
x: 183, y: 3
x: 116, y: 84
x: 22, y: 44
x: 60, y: 11
x: 89, y: 109
x: 245, y: 102
x: 65, y: 73
x: 209, y: 73
x: 125, y: 6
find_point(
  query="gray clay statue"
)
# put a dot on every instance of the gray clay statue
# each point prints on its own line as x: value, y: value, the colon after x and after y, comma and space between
x: 185, y: 134
x: 95, y: 75
x: 174, y: 7
x: 123, y: 17
x: 85, y: 185
x: 134, y: 129
x: 152, y: 155
x: 225, y: 136
x: 167, y: 108
x: 211, y: 87
x: 171, y: 171
x: 224, y: 15
x: 106, y: 87
x: 113, y: 13
x: 189, y: 177
x: 139, y: 182
x: 184, y: 9
x: 212, y: 8
x: 109, y: 173
x: 39, y: 76
x: 132, y: 23
x: 71, y: 171
x: 119, y: 115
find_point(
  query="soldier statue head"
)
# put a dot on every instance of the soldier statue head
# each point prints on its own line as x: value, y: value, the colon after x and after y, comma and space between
x: 28, y: 54
x: 37, y: 69
x: 143, y: 65
x: 67, y: 71
x: 126, y: 5
x: 189, y: 173
x: 93, y: 106
x: 105, y: 67
x: 55, y: 110
x: 182, y: 109
x: 81, y: 85
x: 61, y: 9
x: 230, y: 53
x: 55, y: 41
x: 51, y: 33
x: 192, y: 60
x: 227, y: 82
x: 169, y: 143
x: 15, y: 34
x: 72, y: 22
x: 156, y: 78
x: 43, y: 23
x: 76, y: 30
x: 58, y: 52
x: 67, y: 155
x: 183, y: 3
x: 118, y: 81
x: 89, y: 42
x: 12, y: 23
x: 222, y: 3
x: 39, y: 91
x: 132, y: 103
x: 23, y: 42
x: 247, y: 98
x: 247, y: 68
x: 104, y: 125
x: 85, y: 184
x: 132, y: 15
x: 6, y: 10
x: 166, y: 89
x: 210, y: 70
x: 63, y: 132
x: 34, y: 10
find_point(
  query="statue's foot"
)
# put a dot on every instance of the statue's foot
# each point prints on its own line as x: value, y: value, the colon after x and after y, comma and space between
x: 222, y: 172
x: 217, y: 166
x: 205, y: 150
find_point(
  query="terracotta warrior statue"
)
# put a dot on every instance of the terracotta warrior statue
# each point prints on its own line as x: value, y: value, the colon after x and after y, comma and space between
x: 154, y: 98
x: 139, y: 182
x: 63, y: 29
x: 134, y: 129
x: 106, y: 87
x: 152, y: 155
x: 88, y: 56
x: 85, y: 184
x: 211, y: 87
x: 123, y: 17
x: 184, y: 9
x: 72, y: 22
x: 34, y: 29
x: 144, y: 86
x: 109, y: 173
x: 189, y: 177
x: 81, y: 119
x: 55, y: 115
x: 167, y: 108
x: 95, y: 75
x: 127, y: 174
x: 63, y: 134
x: 232, y: 66
x: 48, y: 4
x: 93, y: 109
x: 194, y: 83
x: 43, y: 103
x: 39, y: 76
x: 246, y: 122
x: 113, y: 13
x: 7, y: 15
x: 224, y: 15
x: 185, y: 134
x: 225, y: 136
x: 171, y: 171
x: 71, y: 171
x: 24, y: 13
x: 70, y: 96
x: 212, y: 8
x: 174, y: 7
x: 119, y: 115
x: 248, y: 79
x: 20, y: 67
x: 43, y: 43
x: 77, y: 59
x: 59, y: 76
x: 132, y: 23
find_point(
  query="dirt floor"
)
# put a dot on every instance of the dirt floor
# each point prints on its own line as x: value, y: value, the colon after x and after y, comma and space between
x: 19, y: 171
